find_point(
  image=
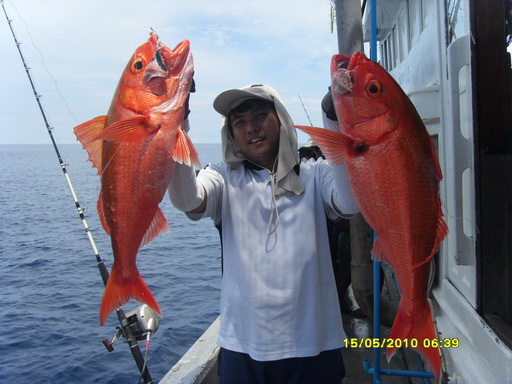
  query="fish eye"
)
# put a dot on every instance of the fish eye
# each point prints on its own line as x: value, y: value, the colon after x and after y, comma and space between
x: 138, y: 65
x: 374, y: 88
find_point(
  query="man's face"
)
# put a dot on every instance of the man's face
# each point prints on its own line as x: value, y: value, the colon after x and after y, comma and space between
x: 256, y: 132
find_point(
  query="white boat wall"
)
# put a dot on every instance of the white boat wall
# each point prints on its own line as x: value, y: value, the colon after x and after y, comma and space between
x: 199, y: 364
x: 450, y: 58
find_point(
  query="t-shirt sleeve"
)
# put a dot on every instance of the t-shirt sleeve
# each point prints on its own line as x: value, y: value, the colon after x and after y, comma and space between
x: 212, y: 179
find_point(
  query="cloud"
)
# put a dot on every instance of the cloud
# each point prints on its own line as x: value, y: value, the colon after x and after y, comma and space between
x: 86, y: 45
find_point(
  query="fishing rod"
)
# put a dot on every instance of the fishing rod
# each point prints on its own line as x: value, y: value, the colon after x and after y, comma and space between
x: 305, y: 110
x: 131, y: 327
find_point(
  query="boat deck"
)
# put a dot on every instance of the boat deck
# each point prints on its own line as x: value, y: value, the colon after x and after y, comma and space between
x: 361, y: 328
x: 199, y: 364
x: 354, y: 357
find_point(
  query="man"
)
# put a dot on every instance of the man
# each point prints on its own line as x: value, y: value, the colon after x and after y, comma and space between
x: 280, y: 318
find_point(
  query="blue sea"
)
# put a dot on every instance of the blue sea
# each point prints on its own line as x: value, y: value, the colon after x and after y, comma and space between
x: 51, y: 288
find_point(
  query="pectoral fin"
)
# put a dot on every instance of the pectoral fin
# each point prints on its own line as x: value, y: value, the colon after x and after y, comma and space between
x: 334, y: 145
x: 131, y: 130
x: 87, y: 134
x: 184, y: 150
x: 92, y: 133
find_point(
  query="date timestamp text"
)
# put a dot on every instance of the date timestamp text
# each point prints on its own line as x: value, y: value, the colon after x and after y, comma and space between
x: 400, y: 343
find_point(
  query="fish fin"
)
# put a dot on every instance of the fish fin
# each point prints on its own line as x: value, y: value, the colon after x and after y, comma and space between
x: 333, y: 144
x: 417, y: 327
x: 101, y: 214
x: 442, y: 227
x: 436, y: 166
x: 157, y: 226
x: 131, y: 130
x: 120, y: 289
x: 441, y: 232
x: 378, y: 252
x: 184, y: 150
x: 87, y: 133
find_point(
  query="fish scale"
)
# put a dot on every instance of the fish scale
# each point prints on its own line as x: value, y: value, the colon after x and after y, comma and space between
x: 394, y: 174
x: 135, y: 147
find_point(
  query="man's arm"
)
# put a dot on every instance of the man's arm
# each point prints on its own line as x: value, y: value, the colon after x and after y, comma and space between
x: 185, y: 192
x: 342, y: 198
x: 202, y: 207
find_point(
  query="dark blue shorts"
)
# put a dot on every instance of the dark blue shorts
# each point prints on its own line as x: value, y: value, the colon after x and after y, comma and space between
x: 240, y: 368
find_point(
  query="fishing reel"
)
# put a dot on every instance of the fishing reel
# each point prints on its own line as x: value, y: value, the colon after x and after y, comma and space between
x: 141, y: 320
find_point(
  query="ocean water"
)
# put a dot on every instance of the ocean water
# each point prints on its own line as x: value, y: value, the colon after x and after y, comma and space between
x: 51, y: 288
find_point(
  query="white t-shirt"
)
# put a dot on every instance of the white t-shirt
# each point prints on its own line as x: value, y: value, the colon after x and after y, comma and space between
x: 279, y: 297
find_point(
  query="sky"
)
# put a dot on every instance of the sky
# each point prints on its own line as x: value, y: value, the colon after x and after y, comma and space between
x: 77, y: 50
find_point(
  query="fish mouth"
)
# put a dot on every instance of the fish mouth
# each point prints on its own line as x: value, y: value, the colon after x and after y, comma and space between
x: 160, y: 61
x: 341, y: 74
x: 342, y: 67
x: 176, y: 59
x: 156, y: 69
x: 340, y: 62
x: 166, y: 63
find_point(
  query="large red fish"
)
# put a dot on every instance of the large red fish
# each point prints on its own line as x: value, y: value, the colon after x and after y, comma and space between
x: 394, y: 174
x: 134, y: 147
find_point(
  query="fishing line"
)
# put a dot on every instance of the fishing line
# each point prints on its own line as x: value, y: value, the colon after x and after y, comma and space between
x: 145, y: 356
x: 125, y: 324
x: 57, y: 151
x: 43, y: 62
x: 447, y: 213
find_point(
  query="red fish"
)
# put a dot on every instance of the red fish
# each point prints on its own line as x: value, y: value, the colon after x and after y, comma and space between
x: 394, y: 173
x: 135, y: 147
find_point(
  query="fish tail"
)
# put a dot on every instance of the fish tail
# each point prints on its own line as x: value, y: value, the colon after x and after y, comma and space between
x: 419, y: 330
x: 119, y: 291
